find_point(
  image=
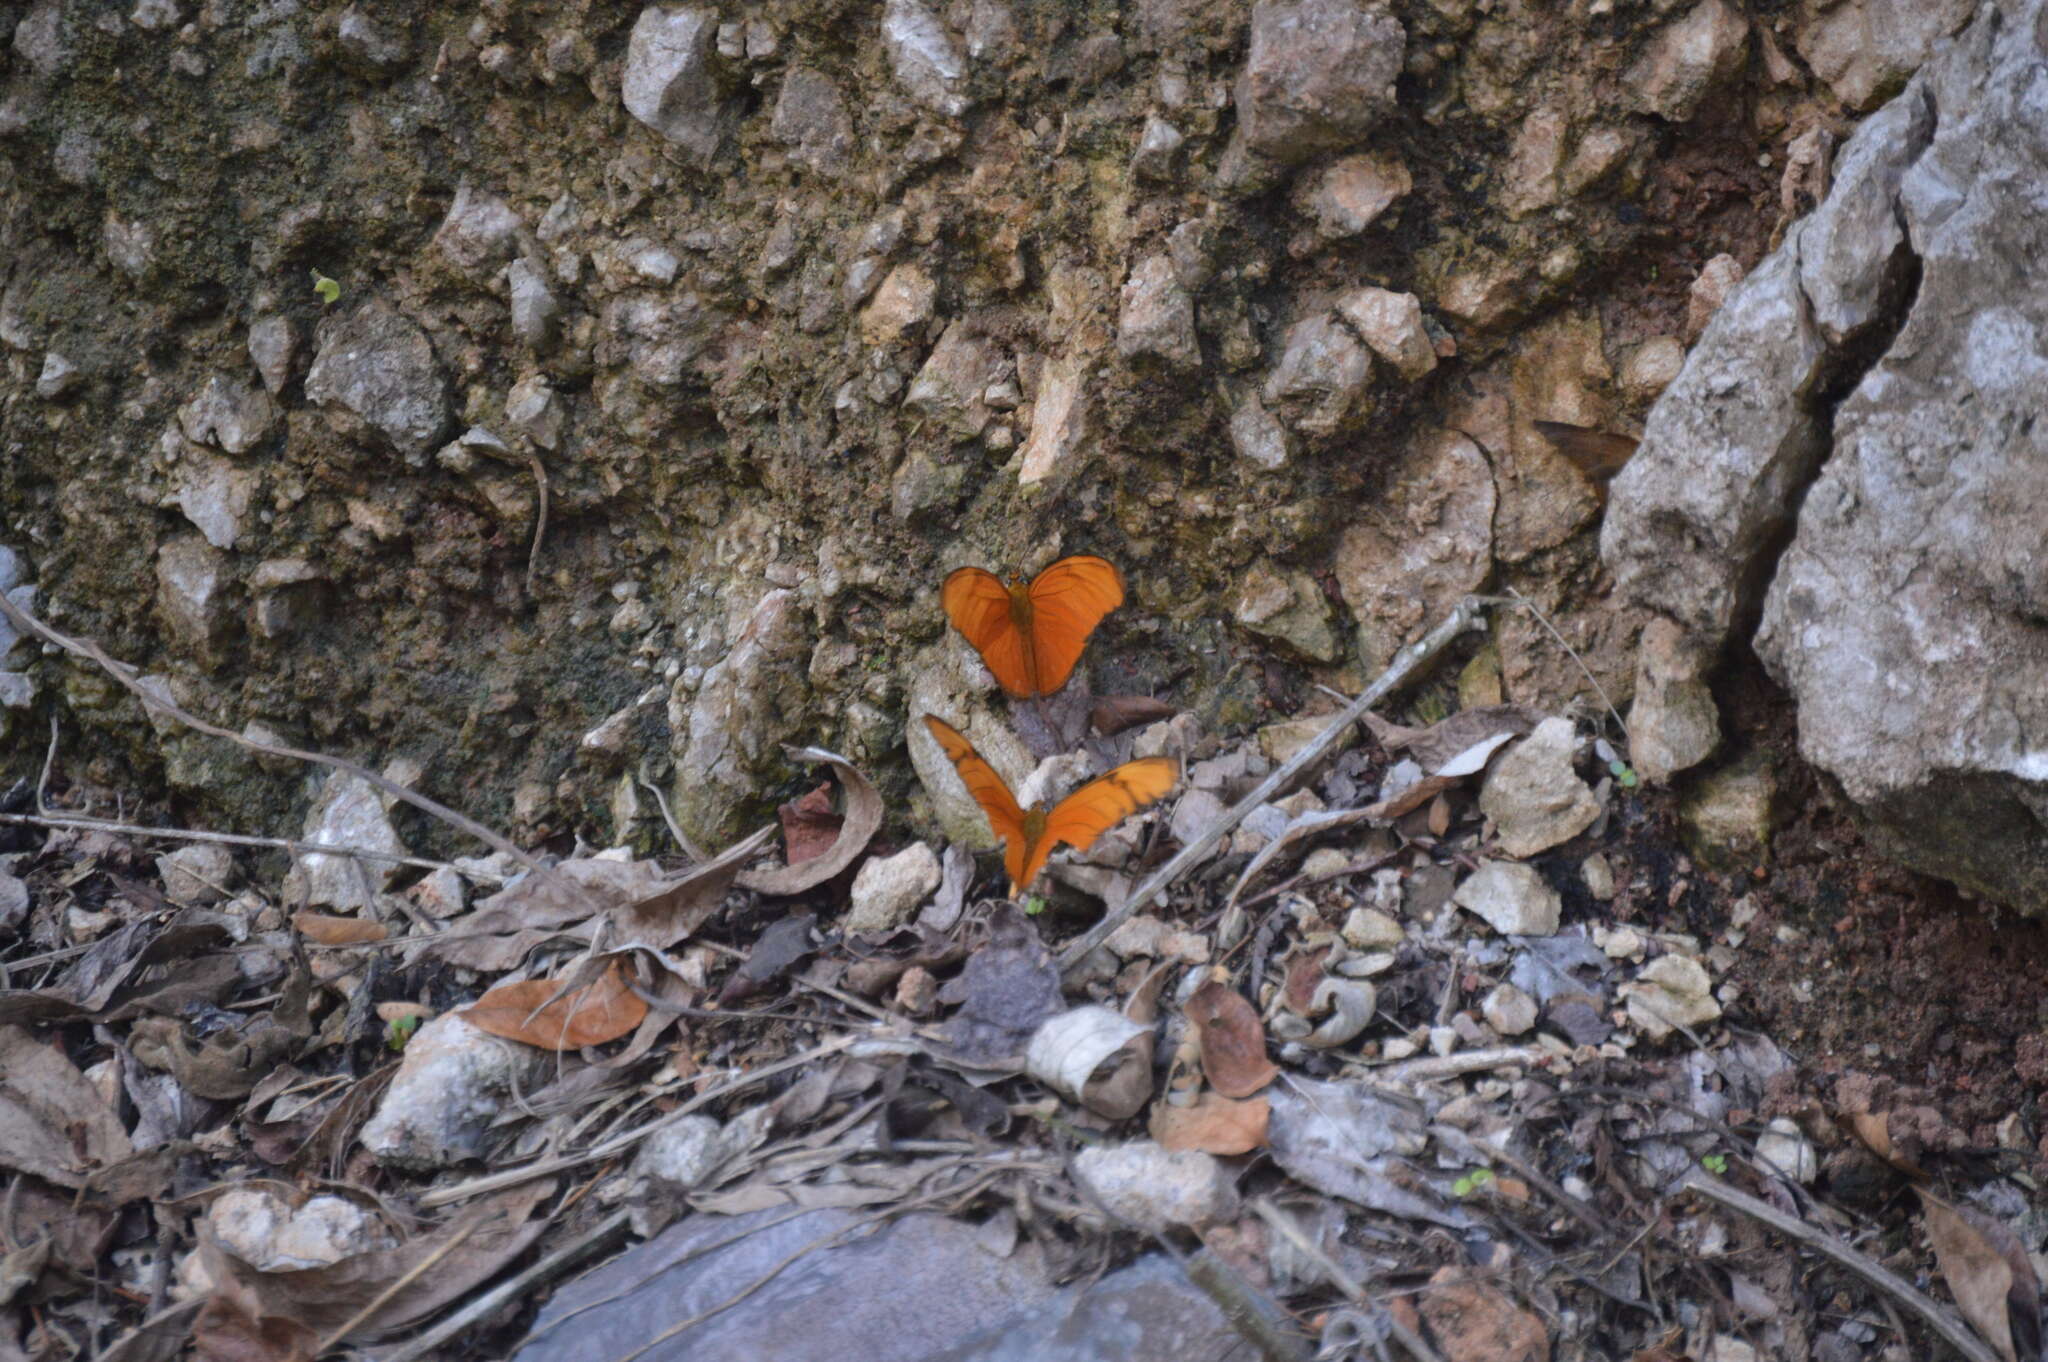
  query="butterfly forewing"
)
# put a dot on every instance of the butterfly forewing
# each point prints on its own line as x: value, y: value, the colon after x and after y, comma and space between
x: 991, y: 791
x: 1101, y: 804
x: 1068, y: 600
x: 978, y: 604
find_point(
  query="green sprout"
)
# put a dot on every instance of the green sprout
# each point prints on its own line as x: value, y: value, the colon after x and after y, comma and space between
x: 1471, y: 1182
x: 398, y: 1031
x: 1717, y: 1164
x: 1624, y: 774
x: 1034, y: 905
x: 326, y: 288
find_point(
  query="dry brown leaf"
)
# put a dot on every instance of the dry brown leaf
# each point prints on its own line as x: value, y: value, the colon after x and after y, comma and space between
x: 861, y: 821
x: 810, y: 825
x: 1412, y: 798
x: 540, y: 1012
x: 53, y: 1122
x: 1874, y: 1129
x: 323, y: 1298
x: 324, y: 930
x: 1304, y: 972
x: 1986, y: 1270
x: 1433, y: 746
x: 677, y: 908
x: 1113, y: 714
x: 1233, y: 1041
x: 1214, y: 1124
x: 531, y: 910
x: 226, y: 1331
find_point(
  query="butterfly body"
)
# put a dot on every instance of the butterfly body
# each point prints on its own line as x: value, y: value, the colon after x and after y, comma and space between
x: 1030, y: 634
x: 1029, y: 836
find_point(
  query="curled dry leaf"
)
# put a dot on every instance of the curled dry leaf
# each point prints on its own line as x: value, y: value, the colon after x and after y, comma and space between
x: 1298, y: 830
x: 678, y: 907
x: 323, y: 929
x: 858, y: 825
x: 1350, y: 1004
x: 1095, y: 1056
x: 1437, y: 745
x: 1214, y: 1124
x: 1113, y: 714
x: 1233, y: 1042
x: 541, y: 1012
x: 1987, y: 1272
x: 1410, y: 799
x: 810, y: 825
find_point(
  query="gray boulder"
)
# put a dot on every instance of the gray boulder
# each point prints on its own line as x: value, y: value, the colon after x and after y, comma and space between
x: 377, y: 367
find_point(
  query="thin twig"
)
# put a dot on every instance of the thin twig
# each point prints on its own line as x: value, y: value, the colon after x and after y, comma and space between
x: 1283, y: 1225
x: 390, y: 1293
x: 1573, y: 653
x: 512, y: 1177
x: 512, y: 1288
x: 128, y: 677
x: 235, y: 839
x: 540, y: 523
x: 1952, y: 1330
x: 1406, y: 664
x: 675, y: 829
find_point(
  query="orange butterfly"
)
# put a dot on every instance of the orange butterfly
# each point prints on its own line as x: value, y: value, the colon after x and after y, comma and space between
x: 1029, y: 836
x: 1031, y: 636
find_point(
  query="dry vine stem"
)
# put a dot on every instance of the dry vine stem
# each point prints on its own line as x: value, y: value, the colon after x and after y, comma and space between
x: 1406, y: 663
x: 128, y: 675
x: 1952, y: 1330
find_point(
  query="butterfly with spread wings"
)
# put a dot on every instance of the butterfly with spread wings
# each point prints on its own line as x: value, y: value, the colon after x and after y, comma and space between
x: 1031, y: 635
x: 1029, y: 835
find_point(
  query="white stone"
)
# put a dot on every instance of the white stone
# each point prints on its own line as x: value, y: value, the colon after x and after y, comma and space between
x: 1786, y: 1147
x: 1157, y: 317
x: 1391, y: 323
x: 1669, y: 992
x: 927, y: 62
x: 668, y: 83
x: 198, y: 875
x: 272, y: 346
x: 1369, y: 929
x: 1258, y: 438
x: 450, y: 1087
x: 232, y: 415
x: 264, y: 1230
x: 1508, y: 1010
x: 58, y: 378
x: 349, y: 812
x: 1532, y: 795
x: 1511, y: 898
x: 888, y: 889
x: 1155, y: 1188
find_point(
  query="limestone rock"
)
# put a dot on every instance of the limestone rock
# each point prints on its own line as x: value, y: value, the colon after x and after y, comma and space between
x: 448, y: 1090
x: 1257, y: 437
x: 1674, y: 724
x: 215, y: 495
x: 1508, y: 1010
x: 273, y: 345
x: 811, y: 120
x: 1723, y: 455
x: 199, y: 875
x: 193, y: 580
x: 479, y: 233
x: 954, y: 383
x: 888, y: 889
x: 671, y: 82
x: 1865, y: 50
x: 234, y: 416
x: 1669, y: 992
x: 728, y: 732
x: 1650, y: 367
x: 1533, y: 796
x: 925, y: 58
x: 376, y: 368
x: 1321, y: 378
x: 1317, y: 76
x: 1688, y: 60
x: 535, y: 410
x: 1156, y: 1188
x: 1158, y: 150
x: 1400, y: 571
x: 1391, y: 323
x: 904, y: 301
x: 1725, y: 819
x: 1059, y: 420
x: 1707, y: 293
x: 1511, y: 898
x: 535, y: 308
x: 1287, y: 607
x: 58, y: 379
x: 1351, y: 193
x: 349, y: 812
x: 1158, y: 317
x: 1535, y: 162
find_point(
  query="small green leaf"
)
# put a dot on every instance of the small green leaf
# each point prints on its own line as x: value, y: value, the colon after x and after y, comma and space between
x: 1717, y: 1164
x: 1471, y: 1182
x: 399, y: 1030
x: 1033, y: 905
x: 325, y: 287
x: 1629, y: 780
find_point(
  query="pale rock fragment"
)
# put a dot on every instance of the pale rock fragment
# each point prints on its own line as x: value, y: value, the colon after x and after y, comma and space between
x: 1670, y: 992
x: 1391, y: 323
x: 1533, y: 797
x: 888, y: 889
x: 1158, y: 1188
x: 1511, y: 898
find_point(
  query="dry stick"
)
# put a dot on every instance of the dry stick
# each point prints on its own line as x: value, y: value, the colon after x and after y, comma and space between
x: 1283, y: 1225
x: 233, y: 839
x: 126, y: 676
x: 1952, y: 1330
x: 513, y: 1288
x: 540, y: 523
x: 1406, y: 663
x: 390, y: 1293
x: 512, y: 1177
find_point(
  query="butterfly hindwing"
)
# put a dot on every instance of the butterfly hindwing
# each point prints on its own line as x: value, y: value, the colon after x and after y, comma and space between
x: 990, y: 791
x: 978, y: 604
x: 1068, y: 600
